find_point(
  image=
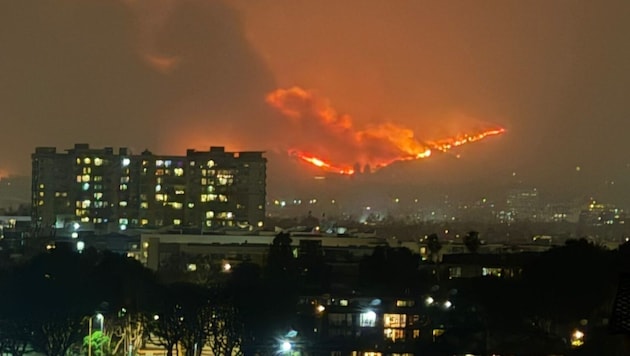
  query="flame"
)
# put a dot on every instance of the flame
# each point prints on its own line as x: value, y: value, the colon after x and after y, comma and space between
x: 446, y: 144
x: 321, y: 163
x: 320, y: 131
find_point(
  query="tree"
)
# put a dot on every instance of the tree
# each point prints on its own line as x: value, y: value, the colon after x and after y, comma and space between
x: 197, y: 315
x: 164, y: 325
x: 281, y: 263
x: 98, y: 342
x: 226, y: 329
x: 569, y: 283
x: 127, y: 287
x: 472, y: 242
x: 434, y: 246
x: 53, y: 300
x: 390, y: 270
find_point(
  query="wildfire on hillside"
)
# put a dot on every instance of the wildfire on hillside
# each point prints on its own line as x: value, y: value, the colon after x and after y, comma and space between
x: 329, y: 140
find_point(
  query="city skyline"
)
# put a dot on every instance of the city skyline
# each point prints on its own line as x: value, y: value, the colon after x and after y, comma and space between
x: 169, y: 76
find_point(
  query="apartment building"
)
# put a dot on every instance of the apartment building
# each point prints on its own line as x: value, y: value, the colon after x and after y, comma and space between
x: 102, y: 190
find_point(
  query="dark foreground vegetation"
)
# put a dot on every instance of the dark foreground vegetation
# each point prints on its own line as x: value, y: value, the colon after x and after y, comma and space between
x: 50, y: 303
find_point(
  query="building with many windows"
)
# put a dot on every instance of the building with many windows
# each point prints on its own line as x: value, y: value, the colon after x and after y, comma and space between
x: 100, y: 190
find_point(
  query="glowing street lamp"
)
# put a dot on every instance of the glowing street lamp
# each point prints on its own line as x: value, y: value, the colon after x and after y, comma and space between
x: 286, y: 346
x: 100, y: 319
x: 577, y: 338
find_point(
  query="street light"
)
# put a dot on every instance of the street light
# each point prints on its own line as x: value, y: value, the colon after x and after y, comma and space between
x: 577, y: 338
x: 286, y: 347
x: 101, y: 319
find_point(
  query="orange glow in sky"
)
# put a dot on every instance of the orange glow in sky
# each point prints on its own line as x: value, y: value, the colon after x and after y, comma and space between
x: 330, y: 140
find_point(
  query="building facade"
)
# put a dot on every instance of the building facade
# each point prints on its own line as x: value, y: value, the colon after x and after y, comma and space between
x: 102, y: 190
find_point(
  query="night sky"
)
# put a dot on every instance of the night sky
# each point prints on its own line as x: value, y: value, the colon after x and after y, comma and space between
x: 169, y: 75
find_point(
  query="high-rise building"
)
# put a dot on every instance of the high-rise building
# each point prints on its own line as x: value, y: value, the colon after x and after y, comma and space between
x: 87, y: 189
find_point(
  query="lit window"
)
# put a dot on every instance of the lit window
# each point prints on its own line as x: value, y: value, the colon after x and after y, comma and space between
x: 41, y: 194
x: 179, y: 192
x: 122, y: 203
x: 367, y: 319
x: 394, y: 334
x: 85, y: 204
x: 85, y: 178
x: 394, y: 320
x: 260, y: 224
x: 144, y: 205
x: 167, y: 163
x: 191, y: 205
x: 178, y: 172
x: 144, y: 222
x: 123, y: 221
x: 208, y: 197
x: 343, y: 302
x: 87, y: 160
x: 159, y: 163
x: 209, y: 214
x: 177, y: 205
x: 98, y: 161
x: 125, y: 162
x: 405, y: 303
x: 158, y: 188
x: 86, y: 186
x: 177, y: 222
x: 210, y: 164
x: 160, y: 197
x: 123, y: 187
x: 491, y: 271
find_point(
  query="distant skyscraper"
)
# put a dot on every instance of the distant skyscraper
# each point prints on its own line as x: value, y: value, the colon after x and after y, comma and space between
x: 102, y: 190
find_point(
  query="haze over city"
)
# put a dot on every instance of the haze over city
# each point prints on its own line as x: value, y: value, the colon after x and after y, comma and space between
x: 170, y: 75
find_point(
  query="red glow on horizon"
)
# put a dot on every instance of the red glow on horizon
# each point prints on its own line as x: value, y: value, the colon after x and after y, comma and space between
x: 317, y: 128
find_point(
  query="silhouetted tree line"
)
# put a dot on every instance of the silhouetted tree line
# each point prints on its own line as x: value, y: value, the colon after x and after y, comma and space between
x: 49, y: 303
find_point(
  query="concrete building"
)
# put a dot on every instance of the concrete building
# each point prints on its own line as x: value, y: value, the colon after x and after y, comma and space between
x: 102, y: 191
x: 154, y: 248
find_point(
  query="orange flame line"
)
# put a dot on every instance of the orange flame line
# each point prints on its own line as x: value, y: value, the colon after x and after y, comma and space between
x: 321, y: 163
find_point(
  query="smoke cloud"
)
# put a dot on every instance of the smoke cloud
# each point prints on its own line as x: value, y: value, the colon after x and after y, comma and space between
x: 322, y: 135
